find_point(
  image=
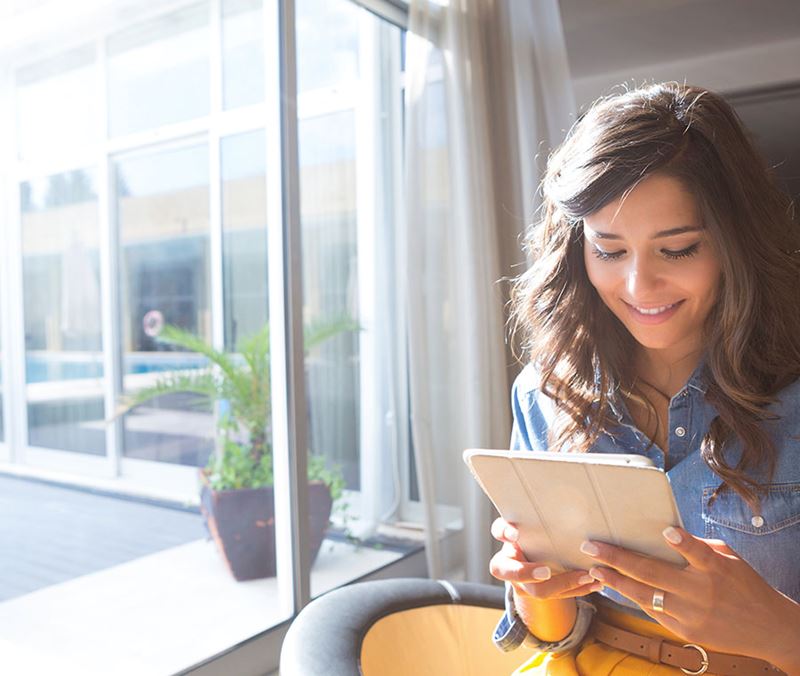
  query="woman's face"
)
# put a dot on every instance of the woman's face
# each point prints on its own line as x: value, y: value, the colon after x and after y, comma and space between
x: 653, y: 265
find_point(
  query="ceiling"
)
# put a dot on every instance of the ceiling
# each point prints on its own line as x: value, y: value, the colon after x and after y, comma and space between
x: 608, y: 35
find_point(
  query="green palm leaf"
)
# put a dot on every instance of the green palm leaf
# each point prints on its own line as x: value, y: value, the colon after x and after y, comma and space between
x: 243, y: 381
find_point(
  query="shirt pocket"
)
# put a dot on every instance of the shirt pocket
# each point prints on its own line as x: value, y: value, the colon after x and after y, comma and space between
x: 771, y: 543
x: 779, y: 509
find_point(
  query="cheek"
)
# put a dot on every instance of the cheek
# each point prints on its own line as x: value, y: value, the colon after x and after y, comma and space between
x: 703, y: 282
x: 601, y: 275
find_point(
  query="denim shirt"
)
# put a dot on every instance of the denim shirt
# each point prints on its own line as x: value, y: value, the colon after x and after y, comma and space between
x: 769, y: 541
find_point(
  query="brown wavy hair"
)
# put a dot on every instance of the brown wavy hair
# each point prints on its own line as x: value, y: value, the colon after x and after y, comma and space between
x: 752, y: 334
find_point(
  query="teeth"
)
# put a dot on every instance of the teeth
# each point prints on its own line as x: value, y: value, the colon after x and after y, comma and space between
x: 654, y: 310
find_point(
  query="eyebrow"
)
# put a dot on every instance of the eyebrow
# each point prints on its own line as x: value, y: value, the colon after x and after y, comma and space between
x: 663, y: 233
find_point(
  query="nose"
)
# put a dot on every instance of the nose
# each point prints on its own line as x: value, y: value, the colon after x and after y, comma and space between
x: 641, y: 278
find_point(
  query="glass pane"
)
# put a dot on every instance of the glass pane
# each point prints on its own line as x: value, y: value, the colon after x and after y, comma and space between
x: 244, y: 222
x: 4, y: 456
x: 61, y: 292
x: 163, y: 220
x: 348, y: 282
x: 242, y: 53
x: 327, y: 43
x: 57, y: 107
x: 330, y: 285
x: 158, y: 72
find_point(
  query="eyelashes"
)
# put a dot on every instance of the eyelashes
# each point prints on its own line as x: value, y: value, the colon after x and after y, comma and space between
x: 668, y: 254
x: 683, y: 253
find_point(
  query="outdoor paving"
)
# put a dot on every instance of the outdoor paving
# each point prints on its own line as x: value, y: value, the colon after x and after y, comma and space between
x: 157, y: 615
x: 50, y: 534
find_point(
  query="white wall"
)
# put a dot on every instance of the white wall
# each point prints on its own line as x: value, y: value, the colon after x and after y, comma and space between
x: 753, y: 67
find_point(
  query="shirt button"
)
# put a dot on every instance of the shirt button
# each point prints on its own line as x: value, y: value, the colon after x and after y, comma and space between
x: 680, y: 431
x: 757, y: 521
x: 685, y: 393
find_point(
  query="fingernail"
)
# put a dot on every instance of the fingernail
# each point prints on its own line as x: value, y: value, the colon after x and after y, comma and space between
x: 672, y: 535
x: 586, y: 579
x: 590, y: 549
x: 541, y: 573
x: 511, y: 533
x: 597, y: 574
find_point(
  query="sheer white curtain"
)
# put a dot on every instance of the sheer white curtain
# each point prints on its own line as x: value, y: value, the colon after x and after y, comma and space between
x: 487, y: 93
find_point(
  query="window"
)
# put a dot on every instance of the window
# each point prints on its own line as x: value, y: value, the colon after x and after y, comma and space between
x: 349, y: 103
x: 143, y: 190
x: 61, y: 305
x: 57, y: 112
x: 161, y: 207
x: 158, y: 71
x: 244, y: 247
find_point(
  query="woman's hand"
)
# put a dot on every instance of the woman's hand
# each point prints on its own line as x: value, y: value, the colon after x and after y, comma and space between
x: 534, y: 579
x: 718, y: 601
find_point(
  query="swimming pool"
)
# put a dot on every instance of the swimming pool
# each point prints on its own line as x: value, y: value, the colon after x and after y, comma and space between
x: 42, y: 367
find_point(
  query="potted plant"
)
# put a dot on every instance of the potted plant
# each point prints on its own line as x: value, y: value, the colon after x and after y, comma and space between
x: 236, y: 497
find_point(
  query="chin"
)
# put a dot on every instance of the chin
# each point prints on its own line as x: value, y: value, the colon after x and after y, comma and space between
x: 652, y: 341
x: 654, y: 344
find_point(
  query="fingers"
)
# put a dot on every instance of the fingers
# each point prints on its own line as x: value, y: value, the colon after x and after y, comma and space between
x: 504, y: 531
x: 582, y: 590
x: 699, y: 553
x: 644, y: 569
x: 536, y: 580
x: 509, y: 564
x: 638, y: 592
x: 561, y: 586
x: 721, y: 547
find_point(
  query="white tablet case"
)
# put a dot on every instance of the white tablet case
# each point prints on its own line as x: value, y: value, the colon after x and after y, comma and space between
x: 558, y: 500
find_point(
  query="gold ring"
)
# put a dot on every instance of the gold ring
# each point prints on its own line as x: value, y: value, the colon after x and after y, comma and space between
x: 658, y: 601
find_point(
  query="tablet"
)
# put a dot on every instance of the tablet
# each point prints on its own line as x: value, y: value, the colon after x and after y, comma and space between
x: 558, y: 500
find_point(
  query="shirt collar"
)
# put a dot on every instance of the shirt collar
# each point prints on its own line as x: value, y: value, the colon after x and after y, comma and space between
x: 696, y: 381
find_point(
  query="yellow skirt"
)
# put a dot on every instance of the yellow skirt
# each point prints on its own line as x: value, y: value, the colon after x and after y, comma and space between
x: 594, y: 658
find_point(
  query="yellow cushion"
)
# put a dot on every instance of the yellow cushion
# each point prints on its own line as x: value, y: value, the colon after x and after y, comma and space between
x: 441, y: 639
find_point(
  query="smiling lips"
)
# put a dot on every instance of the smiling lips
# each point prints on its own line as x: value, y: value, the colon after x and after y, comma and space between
x: 653, y: 315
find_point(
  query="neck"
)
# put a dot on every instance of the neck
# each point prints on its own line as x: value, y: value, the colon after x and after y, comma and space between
x: 667, y: 370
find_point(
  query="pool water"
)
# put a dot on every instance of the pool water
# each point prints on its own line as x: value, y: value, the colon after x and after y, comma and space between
x: 42, y: 368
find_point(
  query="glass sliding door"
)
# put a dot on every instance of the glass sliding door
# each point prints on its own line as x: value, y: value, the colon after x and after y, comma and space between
x: 162, y: 216
x: 244, y: 227
x: 61, y: 305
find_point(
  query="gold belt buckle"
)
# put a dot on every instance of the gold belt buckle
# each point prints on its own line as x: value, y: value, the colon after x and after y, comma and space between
x: 703, y: 656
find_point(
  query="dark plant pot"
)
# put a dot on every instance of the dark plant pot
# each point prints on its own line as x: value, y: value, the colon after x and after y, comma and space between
x: 242, y: 523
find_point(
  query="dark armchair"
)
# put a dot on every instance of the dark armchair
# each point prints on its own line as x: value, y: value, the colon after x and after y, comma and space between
x: 399, y: 627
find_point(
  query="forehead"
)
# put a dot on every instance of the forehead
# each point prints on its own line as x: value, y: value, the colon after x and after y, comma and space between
x: 655, y: 204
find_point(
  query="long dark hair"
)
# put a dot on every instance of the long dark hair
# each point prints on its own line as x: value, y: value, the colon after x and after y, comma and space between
x: 752, y: 334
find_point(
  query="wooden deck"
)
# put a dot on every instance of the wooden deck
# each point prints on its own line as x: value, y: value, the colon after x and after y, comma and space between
x: 50, y: 534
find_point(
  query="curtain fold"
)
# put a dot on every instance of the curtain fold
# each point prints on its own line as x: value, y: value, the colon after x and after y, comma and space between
x: 487, y: 94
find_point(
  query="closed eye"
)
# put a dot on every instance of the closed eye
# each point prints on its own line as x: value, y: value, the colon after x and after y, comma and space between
x: 606, y: 255
x: 683, y: 253
x: 668, y: 253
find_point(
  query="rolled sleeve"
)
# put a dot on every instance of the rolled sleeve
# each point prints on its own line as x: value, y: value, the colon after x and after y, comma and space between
x: 511, y: 632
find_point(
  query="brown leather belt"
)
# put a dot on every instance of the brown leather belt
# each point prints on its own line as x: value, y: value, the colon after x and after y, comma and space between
x: 691, y: 659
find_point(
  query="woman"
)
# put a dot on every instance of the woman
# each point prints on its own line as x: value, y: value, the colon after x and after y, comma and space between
x: 662, y: 317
